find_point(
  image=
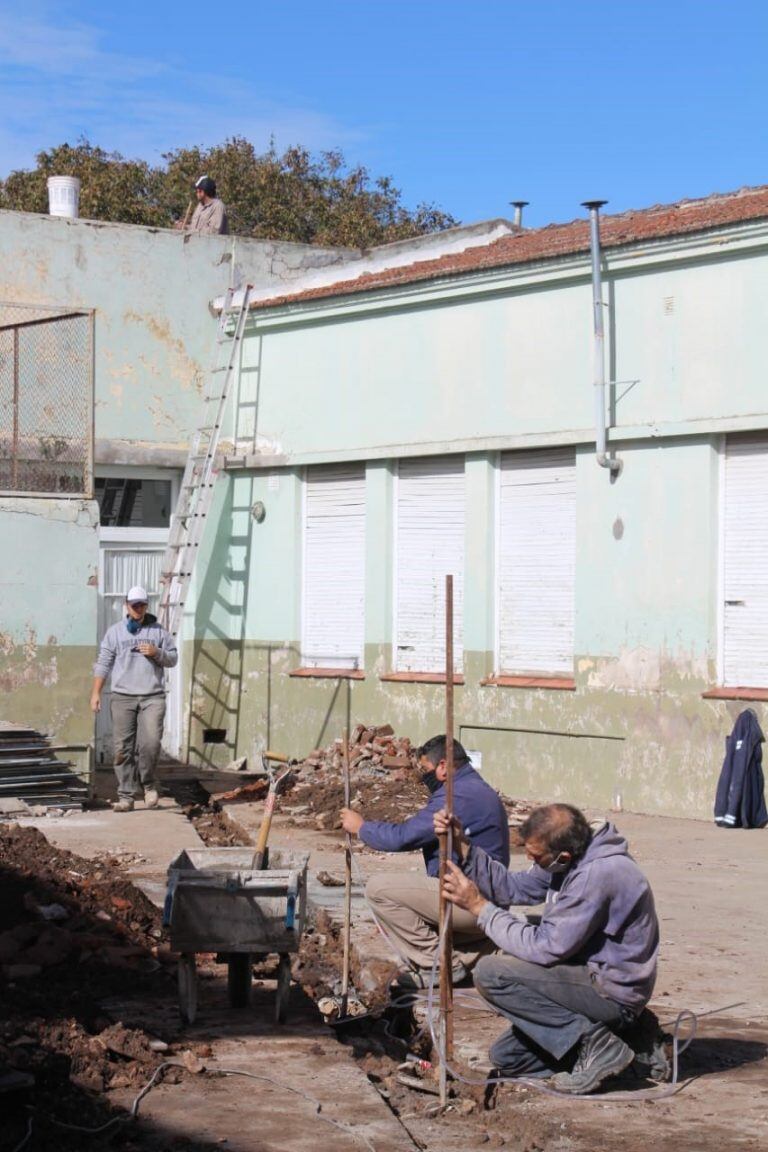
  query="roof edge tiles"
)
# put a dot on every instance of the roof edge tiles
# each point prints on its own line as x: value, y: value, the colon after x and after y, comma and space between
x: 659, y: 222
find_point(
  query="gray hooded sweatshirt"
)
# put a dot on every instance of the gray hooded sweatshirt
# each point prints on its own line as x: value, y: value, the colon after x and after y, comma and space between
x: 132, y: 673
x: 599, y: 913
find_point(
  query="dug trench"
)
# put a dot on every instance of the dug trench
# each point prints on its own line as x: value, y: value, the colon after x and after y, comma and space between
x: 75, y: 934
x: 720, y: 1071
x: 385, y: 1042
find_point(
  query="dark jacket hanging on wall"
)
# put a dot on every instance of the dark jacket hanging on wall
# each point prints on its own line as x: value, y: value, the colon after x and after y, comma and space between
x: 740, y: 798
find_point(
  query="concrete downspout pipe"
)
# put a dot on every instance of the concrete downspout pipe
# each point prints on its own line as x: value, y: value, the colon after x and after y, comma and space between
x: 601, y: 455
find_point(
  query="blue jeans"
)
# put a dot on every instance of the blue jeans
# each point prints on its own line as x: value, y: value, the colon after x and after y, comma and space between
x: 550, y: 1009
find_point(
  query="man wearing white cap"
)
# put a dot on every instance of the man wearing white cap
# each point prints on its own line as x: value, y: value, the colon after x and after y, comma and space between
x: 136, y: 651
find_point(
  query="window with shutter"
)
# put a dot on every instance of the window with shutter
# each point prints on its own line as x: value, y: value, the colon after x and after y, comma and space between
x: 745, y: 563
x: 429, y: 544
x: 536, y: 562
x: 333, y: 633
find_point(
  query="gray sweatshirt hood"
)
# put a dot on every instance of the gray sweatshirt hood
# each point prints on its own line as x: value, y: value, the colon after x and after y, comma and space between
x: 606, y: 841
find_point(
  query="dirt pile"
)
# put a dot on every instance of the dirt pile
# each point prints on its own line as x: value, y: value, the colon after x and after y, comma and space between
x: 385, y: 783
x: 74, y: 935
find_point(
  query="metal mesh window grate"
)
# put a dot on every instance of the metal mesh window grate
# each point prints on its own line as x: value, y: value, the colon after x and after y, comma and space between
x: 46, y: 401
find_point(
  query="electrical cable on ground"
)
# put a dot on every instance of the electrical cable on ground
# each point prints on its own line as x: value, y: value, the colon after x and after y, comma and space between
x: 25, y: 1139
x: 649, y: 1094
x: 134, y: 1109
x: 613, y: 1097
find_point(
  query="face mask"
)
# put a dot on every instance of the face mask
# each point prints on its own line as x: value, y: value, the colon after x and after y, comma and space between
x: 557, y: 866
x: 132, y: 625
x: 430, y: 780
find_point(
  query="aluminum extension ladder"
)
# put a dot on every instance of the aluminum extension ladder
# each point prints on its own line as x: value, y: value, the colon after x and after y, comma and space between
x: 199, y: 479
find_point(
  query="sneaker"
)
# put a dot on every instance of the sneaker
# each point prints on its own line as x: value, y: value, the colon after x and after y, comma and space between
x: 601, y: 1054
x: 416, y: 979
x: 122, y: 806
x: 151, y: 797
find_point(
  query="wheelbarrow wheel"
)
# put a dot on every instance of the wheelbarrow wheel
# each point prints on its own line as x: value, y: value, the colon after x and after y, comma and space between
x: 283, y: 991
x: 239, y: 979
x: 187, y: 976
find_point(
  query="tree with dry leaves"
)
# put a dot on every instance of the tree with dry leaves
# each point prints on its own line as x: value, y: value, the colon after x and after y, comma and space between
x: 293, y: 195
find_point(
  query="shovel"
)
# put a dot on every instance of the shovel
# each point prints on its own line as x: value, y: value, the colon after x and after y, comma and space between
x: 276, y: 781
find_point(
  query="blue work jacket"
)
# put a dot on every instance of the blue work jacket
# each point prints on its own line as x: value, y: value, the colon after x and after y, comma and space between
x: 478, y: 807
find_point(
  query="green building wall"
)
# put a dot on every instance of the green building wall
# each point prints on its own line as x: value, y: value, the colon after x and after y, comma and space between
x: 645, y: 639
x: 475, y: 366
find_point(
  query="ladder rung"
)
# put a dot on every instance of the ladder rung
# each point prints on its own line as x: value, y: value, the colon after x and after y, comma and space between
x: 191, y: 511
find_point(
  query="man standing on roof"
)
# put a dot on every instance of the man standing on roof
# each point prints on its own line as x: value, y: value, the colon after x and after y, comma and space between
x: 406, y: 905
x: 210, y: 215
x: 136, y: 651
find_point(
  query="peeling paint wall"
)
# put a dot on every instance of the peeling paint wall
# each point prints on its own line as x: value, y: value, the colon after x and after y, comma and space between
x: 505, y: 362
x: 645, y: 639
x: 48, y: 614
x: 154, y: 342
x: 151, y: 290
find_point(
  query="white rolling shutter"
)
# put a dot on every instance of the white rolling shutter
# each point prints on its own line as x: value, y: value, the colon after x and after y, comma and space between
x: 429, y: 546
x: 334, y: 567
x: 745, y: 562
x: 536, y: 562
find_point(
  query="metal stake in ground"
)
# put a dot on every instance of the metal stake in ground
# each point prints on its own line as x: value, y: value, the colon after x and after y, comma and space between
x: 347, y: 887
x: 446, y: 853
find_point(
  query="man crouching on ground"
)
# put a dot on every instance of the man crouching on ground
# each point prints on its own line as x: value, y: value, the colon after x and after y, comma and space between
x: 571, y: 982
x: 406, y: 905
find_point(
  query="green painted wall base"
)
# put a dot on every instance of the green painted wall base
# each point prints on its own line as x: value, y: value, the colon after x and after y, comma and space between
x: 661, y: 749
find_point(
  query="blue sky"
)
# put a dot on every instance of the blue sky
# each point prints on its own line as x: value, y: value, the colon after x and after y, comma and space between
x: 468, y: 105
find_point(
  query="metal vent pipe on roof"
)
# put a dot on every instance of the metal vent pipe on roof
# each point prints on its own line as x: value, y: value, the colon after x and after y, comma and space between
x: 603, y: 459
x: 518, y: 206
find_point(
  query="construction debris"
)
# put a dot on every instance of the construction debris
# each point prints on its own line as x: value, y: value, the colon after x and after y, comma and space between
x: 385, y: 782
x: 30, y: 770
x: 74, y: 933
x: 373, y: 749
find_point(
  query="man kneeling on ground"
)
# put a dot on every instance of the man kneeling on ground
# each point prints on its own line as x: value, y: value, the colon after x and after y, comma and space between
x: 570, y: 983
x: 406, y: 905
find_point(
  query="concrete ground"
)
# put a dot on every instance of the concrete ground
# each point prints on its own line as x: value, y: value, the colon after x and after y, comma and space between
x: 711, y: 889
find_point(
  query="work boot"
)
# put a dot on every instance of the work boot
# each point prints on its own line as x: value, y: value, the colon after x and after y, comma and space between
x: 601, y: 1054
x: 651, y: 1046
x: 122, y: 806
x: 151, y: 797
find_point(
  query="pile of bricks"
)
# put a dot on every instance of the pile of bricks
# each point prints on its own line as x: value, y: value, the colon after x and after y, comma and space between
x: 373, y: 750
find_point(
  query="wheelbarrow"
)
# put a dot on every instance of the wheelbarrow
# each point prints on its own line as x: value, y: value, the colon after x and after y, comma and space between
x: 217, y: 900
